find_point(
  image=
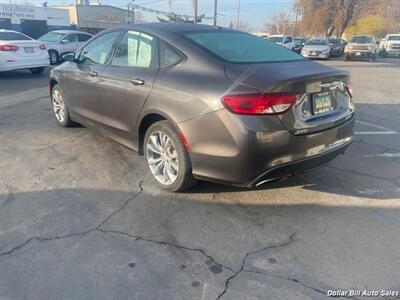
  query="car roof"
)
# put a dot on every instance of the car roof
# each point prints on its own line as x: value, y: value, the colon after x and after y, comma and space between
x: 173, y: 27
x: 69, y: 31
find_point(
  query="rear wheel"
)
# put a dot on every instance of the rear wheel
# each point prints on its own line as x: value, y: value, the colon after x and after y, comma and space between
x: 36, y: 71
x: 53, y: 55
x: 60, y: 108
x: 167, y: 157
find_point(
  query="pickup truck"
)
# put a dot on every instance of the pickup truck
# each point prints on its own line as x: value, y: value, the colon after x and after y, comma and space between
x: 390, y: 45
x: 284, y: 40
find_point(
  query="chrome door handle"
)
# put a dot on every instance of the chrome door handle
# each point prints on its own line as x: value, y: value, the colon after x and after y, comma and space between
x: 93, y: 74
x: 137, y: 81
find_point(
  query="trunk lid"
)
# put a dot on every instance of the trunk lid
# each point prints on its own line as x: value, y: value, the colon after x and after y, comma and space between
x: 313, y: 82
x: 26, y: 48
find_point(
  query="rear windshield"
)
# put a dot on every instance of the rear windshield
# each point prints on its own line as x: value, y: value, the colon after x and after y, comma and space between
x: 361, y: 39
x: 317, y: 42
x: 238, y: 47
x: 394, y: 38
x: 52, y: 37
x: 13, y: 36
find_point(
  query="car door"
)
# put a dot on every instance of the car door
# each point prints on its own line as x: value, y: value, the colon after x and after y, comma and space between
x: 70, y: 42
x: 126, y: 82
x: 82, y: 86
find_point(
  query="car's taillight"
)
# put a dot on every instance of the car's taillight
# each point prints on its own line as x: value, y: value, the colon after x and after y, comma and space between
x: 8, y: 48
x: 43, y: 47
x: 349, y: 89
x: 259, y: 104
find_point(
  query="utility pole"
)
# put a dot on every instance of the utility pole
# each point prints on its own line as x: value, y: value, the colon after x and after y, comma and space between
x: 238, y: 16
x: 215, y: 12
x: 195, y: 11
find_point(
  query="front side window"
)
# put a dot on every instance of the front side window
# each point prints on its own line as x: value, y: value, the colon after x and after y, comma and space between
x: 276, y: 39
x: 238, y: 47
x: 168, y: 56
x: 52, y: 37
x: 72, y: 38
x: 288, y: 39
x: 97, y: 51
x: 13, y: 36
x: 135, y: 50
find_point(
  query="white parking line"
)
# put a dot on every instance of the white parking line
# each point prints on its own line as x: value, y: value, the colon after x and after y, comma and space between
x: 383, y: 155
x: 384, y: 129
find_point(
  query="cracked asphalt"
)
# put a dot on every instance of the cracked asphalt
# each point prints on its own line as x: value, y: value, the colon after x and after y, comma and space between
x: 81, y: 218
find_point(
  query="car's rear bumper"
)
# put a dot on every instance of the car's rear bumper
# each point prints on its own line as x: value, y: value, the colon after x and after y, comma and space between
x: 9, y: 63
x: 246, y: 150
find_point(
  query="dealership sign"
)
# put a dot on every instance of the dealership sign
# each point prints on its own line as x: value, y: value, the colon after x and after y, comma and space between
x: 106, y: 18
x: 20, y: 12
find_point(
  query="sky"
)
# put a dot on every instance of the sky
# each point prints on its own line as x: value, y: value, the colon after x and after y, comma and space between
x: 254, y: 12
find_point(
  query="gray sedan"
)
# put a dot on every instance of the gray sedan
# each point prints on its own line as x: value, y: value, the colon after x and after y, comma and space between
x: 317, y: 48
x: 208, y: 103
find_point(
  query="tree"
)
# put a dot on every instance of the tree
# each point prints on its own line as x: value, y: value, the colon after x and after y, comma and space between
x: 279, y: 24
x: 173, y: 18
x: 371, y: 24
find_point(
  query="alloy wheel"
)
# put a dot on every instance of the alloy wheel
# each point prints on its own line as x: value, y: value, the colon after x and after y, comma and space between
x: 162, y: 157
x: 58, y: 105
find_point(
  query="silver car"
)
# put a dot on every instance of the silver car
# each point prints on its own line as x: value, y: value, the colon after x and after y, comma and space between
x: 316, y: 48
x: 61, y: 41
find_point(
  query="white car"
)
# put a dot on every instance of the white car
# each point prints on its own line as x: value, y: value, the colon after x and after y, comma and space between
x: 61, y: 41
x: 284, y: 40
x: 317, y: 48
x: 390, y: 45
x: 19, y: 51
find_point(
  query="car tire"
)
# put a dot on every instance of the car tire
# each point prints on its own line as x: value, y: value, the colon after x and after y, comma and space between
x: 37, y: 71
x: 171, y: 167
x: 54, y: 57
x: 60, y: 108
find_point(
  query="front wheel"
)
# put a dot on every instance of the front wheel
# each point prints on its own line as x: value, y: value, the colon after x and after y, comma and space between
x: 167, y: 157
x: 53, y: 55
x: 60, y: 108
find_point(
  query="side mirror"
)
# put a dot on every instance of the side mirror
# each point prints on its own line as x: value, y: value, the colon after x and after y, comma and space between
x: 68, y: 56
x: 64, y: 42
x: 303, y: 44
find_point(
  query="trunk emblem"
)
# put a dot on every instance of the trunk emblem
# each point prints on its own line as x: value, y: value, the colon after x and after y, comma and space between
x: 333, y: 85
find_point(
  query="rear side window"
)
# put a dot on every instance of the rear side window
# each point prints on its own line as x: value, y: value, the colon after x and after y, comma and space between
x: 13, y: 36
x: 168, y: 56
x: 83, y: 37
x: 240, y: 47
x: 135, y: 50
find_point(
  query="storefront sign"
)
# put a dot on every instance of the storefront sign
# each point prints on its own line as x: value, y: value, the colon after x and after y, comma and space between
x: 106, y: 18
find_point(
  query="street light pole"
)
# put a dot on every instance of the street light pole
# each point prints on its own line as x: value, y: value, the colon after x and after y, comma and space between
x: 215, y: 12
x: 238, y: 16
x: 195, y: 11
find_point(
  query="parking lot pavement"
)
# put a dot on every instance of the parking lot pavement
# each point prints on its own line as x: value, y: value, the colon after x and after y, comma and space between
x: 80, y: 217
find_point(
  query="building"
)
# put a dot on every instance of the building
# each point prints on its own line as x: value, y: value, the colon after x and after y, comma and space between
x: 95, y: 18
x: 34, y: 21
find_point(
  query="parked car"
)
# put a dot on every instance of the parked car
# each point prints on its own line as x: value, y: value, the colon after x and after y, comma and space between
x: 299, y: 44
x: 390, y: 45
x: 317, y: 48
x: 19, y: 51
x: 284, y: 40
x: 361, y: 47
x: 203, y: 102
x: 337, y: 46
x: 60, y: 41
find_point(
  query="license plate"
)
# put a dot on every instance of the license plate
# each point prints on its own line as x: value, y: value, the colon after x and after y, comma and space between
x: 29, y: 50
x: 322, y: 103
x: 358, y: 53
